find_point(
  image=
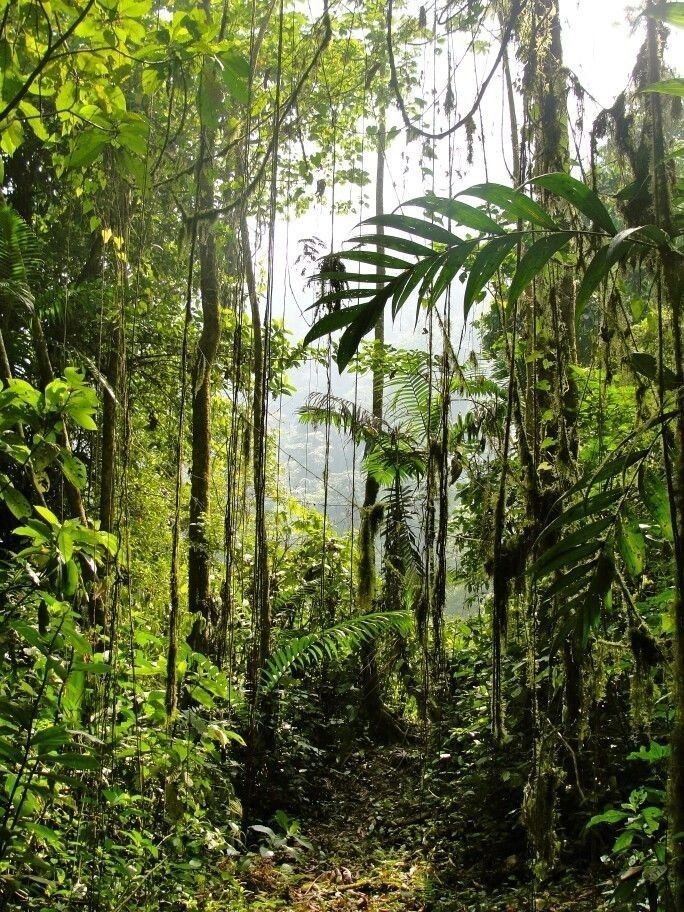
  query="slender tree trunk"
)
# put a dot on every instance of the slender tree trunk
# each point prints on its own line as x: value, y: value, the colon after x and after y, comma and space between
x: 199, y: 593
x: 673, y: 273
x: 200, y: 602
x: 373, y: 706
x: 262, y: 605
x: 108, y: 447
x: 114, y: 369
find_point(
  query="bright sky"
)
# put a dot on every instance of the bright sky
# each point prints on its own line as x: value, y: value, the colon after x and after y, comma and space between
x: 600, y: 44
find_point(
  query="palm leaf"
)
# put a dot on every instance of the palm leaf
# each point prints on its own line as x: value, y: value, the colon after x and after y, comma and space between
x: 334, y: 643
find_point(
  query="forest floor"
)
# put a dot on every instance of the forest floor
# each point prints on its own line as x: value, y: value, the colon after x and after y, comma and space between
x: 371, y: 831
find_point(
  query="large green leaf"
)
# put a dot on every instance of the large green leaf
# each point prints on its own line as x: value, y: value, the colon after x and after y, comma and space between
x: 610, y: 468
x: 421, y: 271
x: 415, y: 226
x: 460, y: 213
x: 534, y: 260
x: 563, y: 557
x: 563, y: 552
x: 673, y: 86
x: 332, y: 321
x: 87, y: 146
x: 15, y: 501
x: 578, y: 195
x: 454, y: 260
x: 671, y: 12
x: 594, y: 274
x: 486, y: 263
x: 647, y: 365
x: 599, y: 589
x: 587, y: 506
x: 631, y: 545
x: 391, y: 242
x: 654, y: 494
x: 75, y: 471
x: 365, y: 320
x: 579, y: 574
x: 514, y: 202
x: 375, y: 258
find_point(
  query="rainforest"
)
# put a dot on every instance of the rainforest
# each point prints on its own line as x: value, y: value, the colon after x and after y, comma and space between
x: 341, y: 455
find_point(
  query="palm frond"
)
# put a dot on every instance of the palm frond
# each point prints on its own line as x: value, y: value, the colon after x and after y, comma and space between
x: 19, y: 258
x: 334, y: 643
x: 347, y: 416
x: 416, y: 402
x: 395, y: 456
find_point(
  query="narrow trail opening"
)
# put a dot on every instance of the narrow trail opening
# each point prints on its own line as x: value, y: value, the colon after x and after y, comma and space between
x: 377, y: 844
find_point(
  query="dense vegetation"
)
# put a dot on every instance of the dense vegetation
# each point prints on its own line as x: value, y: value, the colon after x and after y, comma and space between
x: 216, y: 694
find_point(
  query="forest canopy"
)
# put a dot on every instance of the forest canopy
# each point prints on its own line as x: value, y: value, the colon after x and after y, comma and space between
x: 341, y: 455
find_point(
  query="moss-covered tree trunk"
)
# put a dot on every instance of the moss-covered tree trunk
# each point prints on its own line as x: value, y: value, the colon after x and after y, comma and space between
x: 551, y: 404
x: 200, y: 601
x: 673, y: 274
x: 373, y: 706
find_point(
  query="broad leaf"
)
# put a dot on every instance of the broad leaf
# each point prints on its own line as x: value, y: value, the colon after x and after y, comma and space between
x: 332, y: 321
x: 645, y: 364
x: 455, y: 258
x: 631, y: 545
x: 655, y: 497
x: 578, y: 195
x: 460, y: 213
x: 366, y: 319
x: 674, y: 86
x: 486, y: 264
x: 513, y: 202
x: 594, y: 274
x: 375, y: 258
x: 415, y: 226
x: 534, y: 260
x: 391, y: 242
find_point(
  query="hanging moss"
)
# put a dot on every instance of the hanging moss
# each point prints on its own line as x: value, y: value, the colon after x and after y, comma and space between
x: 642, y: 688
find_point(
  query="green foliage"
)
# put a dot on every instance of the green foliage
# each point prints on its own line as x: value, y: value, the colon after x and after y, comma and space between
x: 437, y: 266
x: 640, y: 846
x: 332, y: 643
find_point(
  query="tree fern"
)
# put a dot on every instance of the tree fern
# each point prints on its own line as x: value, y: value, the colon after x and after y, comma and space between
x: 334, y: 643
x: 19, y: 258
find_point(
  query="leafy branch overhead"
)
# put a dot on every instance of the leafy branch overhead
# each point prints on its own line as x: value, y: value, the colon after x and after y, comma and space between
x: 515, y: 224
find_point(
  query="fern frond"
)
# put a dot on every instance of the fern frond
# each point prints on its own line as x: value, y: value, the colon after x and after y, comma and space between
x: 347, y: 416
x: 19, y: 258
x: 394, y: 456
x: 403, y: 561
x: 334, y: 643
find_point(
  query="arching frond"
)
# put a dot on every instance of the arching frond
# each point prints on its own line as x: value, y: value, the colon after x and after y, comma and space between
x: 19, y: 258
x: 416, y: 402
x: 343, y: 414
x: 334, y: 643
x: 395, y: 456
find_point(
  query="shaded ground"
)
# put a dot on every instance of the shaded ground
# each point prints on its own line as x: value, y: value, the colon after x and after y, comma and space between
x: 372, y: 837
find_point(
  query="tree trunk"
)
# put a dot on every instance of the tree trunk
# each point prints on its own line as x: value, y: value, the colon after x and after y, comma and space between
x: 200, y: 602
x: 373, y: 707
x: 673, y: 273
x: 262, y: 606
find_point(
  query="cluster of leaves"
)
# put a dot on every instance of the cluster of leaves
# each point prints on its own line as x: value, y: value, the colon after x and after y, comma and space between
x: 65, y: 764
x: 436, y: 266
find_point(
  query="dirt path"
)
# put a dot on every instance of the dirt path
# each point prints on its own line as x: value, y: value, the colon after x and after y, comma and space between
x: 362, y: 855
x: 370, y: 831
